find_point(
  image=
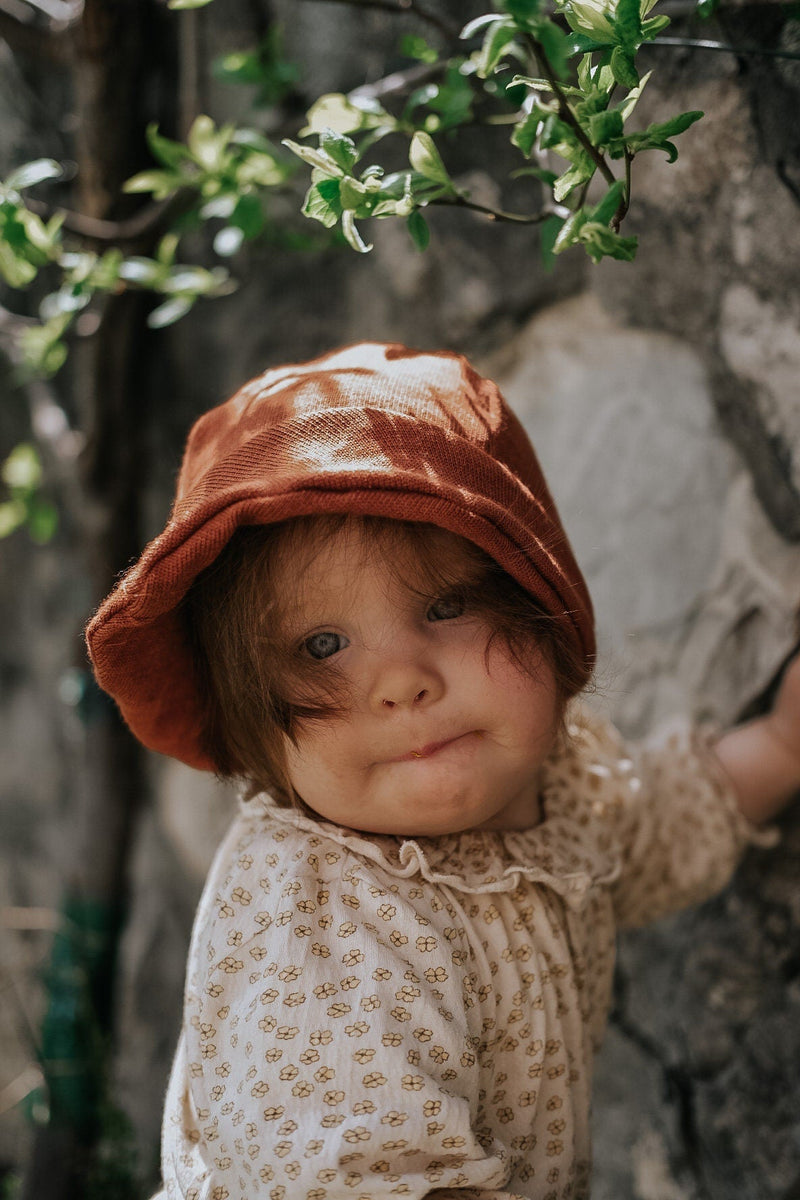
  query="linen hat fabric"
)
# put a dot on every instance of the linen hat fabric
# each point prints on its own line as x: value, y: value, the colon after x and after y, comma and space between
x: 373, y: 428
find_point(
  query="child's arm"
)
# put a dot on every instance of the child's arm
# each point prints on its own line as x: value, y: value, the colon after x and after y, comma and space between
x: 762, y: 758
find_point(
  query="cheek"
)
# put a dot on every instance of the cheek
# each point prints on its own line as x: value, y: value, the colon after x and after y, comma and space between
x: 322, y: 753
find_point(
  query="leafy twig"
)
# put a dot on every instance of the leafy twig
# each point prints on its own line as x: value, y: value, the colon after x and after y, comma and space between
x: 565, y: 111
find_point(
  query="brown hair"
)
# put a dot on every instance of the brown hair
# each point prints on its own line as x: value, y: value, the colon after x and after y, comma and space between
x: 257, y: 688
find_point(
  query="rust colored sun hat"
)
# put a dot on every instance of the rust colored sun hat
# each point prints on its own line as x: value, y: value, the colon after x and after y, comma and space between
x: 371, y: 429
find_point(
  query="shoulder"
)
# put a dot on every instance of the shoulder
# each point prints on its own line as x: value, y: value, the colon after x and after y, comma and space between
x: 272, y: 875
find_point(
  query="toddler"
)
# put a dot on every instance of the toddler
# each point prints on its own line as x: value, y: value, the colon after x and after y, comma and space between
x: 365, y: 609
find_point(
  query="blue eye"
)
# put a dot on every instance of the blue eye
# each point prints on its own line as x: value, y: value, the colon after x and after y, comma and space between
x: 324, y: 645
x: 446, y: 608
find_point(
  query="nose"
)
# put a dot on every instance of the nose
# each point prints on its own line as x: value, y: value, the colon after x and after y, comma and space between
x: 406, y: 679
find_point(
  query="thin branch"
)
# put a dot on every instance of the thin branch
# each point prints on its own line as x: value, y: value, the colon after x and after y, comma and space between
x: 496, y: 214
x: 566, y: 113
x: 726, y: 48
x: 399, y: 81
x: 625, y: 202
x: 147, y: 221
x: 405, y: 8
x: 688, y: 8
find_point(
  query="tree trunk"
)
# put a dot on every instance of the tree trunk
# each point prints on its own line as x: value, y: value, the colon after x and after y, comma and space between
x: 112, y: 63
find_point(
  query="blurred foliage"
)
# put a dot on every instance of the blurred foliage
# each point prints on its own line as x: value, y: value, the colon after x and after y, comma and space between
x: 556, y: 78
x: 26, y: 506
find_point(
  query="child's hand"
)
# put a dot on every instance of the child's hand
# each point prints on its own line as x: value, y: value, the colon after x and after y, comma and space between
x: 762, y: 758
x: 785, y: 715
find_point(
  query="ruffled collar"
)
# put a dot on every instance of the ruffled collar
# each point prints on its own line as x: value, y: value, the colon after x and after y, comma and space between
x: 571, y: 850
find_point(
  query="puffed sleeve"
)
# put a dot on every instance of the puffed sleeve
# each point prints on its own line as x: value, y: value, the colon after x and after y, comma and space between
x: 680, y: 829
x: 327, y: 1049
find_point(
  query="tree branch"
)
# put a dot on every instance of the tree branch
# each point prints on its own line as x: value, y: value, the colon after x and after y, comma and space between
x: 405, y: 8
x: 142, y: 224
x: 399, y: 81
x: 497, y: 214
x: 726, y: 48
x: 566, y: 113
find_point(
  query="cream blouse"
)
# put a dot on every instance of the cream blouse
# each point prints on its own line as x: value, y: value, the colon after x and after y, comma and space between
x: 376, y: 1016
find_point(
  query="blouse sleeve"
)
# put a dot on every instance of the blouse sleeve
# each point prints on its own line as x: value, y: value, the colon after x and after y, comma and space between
x: 682, y: 834
x: 327, y: 1050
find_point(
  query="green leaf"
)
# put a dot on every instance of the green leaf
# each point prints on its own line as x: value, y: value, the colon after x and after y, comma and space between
x: 604, y: 211
x: 143, y: 271
x: 346, y: 114
x: 17, y: 271
x: 179, y: 4
x: 592, y: 19
x: 659, y: 135
x: 42, y: 520
x: 188, y: 280
x: 105, y: 274
x: 655, y: 26
x: 548, y: 177
x: 248, y: 215
x: 352, y: 236
x: 418, y: 228
x: 707, y: 8
x: 42, y: 348
x: 555, y: 45
x: 497, y: 38
x: 322, y: 202
x: 413, y: 46
x: 631, y: 100
x: 316, y: 158
x: 341, y: 148
x: 604, y: 126
x: 601, y: 242
x: 568, y: 233
x: 207, y: 143
x: 23, y: 468
x: 627, y: 24
x: 170, y: 311
x: 167, y: 249
x: 582, y: 43
x: 623, y: 67
x: 12, y: 515
x: 34, y: 172
x: 228, y: 241
x: 425, y: 158
x: 351, y: 194
x: 169, y: 153
x: 524, y: 135
x: 577, y: 175
x: 161, y: 183
x: 476, y: 25
x: 522, y: 10
x: 548, y: 232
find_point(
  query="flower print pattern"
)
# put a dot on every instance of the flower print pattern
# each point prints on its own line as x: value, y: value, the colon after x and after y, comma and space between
x: 393, y: 1016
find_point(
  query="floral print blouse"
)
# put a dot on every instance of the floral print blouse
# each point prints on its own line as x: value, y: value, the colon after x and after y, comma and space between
x: 369, y: 1016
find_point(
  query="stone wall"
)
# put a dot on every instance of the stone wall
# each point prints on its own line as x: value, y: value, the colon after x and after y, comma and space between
x: 662, y: 398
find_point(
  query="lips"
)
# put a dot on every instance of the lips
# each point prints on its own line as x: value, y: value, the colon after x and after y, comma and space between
x: 430, y: 749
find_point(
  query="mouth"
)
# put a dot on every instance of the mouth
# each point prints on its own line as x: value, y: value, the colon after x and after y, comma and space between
x: 433, y: 748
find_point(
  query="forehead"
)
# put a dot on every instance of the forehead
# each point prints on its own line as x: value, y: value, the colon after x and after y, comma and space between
x: 328, y: 559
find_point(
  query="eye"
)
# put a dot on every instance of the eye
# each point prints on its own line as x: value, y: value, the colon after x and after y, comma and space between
x: 446, y: 608
x: 324, y: 645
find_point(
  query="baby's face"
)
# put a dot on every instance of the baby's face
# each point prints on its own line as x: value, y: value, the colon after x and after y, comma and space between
x: 438, y: 735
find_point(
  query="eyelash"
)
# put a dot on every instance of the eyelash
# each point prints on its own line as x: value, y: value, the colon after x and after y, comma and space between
x: 454, y: 603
